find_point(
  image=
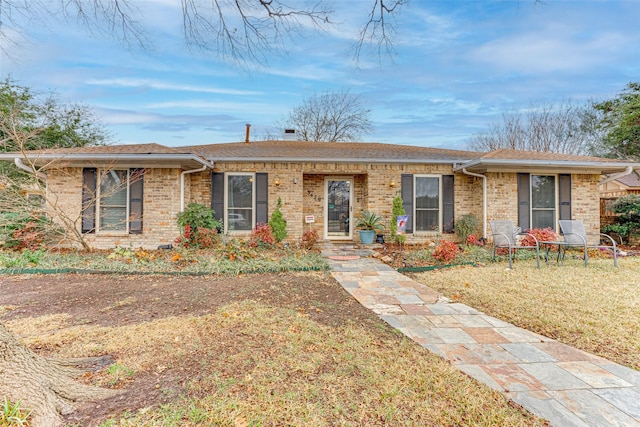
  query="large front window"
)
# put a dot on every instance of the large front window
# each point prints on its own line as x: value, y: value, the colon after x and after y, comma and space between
x: 113, y: 196
x: 543, y: 201
x: 240, y: 202
x: 427, y: 203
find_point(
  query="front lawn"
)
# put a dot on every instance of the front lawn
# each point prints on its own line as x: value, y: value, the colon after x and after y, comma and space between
x: 596, y: 309
x: 247, y: 350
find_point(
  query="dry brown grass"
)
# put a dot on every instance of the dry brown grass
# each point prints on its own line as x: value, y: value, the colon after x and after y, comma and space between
x: 262, y: 365
x: 595, y: 309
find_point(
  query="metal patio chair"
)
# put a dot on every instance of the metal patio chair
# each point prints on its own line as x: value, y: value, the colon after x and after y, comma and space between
x: 575, y: 235
x: 505, y: 235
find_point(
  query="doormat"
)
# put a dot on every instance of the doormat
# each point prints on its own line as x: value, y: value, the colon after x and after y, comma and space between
x: 344, y: 257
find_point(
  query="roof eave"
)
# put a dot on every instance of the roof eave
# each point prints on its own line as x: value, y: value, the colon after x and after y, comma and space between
x: 58, y: 160
x: 482, y: 165
x: 340, y: 160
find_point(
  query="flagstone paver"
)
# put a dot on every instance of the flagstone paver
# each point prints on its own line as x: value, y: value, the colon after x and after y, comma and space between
x: 564, y: 385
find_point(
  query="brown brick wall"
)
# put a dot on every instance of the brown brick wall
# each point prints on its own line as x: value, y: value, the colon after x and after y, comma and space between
x: 161, y: 205
x: 371, y: 190
x: 502, y: 200
x: 302, y: 192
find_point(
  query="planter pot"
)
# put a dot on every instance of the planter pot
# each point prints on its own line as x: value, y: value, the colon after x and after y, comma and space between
x: 366, y: 236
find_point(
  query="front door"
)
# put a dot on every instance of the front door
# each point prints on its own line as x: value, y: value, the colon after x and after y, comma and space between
x: 338, y: 208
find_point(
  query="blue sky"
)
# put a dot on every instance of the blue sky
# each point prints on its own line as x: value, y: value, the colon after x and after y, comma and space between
x: 458, y: 66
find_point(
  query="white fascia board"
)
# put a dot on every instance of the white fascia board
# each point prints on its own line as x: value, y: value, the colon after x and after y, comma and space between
x: 324, y: 160
x: 101, y: 157
x: 611, y: 166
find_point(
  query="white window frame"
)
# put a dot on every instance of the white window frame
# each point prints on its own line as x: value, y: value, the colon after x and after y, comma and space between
x: 98, y: 225
x: 252, y: 179
x: 556, y: 195
x: 415, y: 205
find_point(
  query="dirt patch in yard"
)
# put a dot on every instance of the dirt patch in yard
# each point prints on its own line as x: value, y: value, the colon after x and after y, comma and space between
x: 53, y: 303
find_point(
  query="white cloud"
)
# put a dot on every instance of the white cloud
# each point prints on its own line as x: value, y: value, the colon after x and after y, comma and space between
x: 549, y: 49
x: 158, y: 85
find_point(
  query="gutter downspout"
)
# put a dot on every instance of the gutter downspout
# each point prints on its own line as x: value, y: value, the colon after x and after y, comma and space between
x: 20, y: 165
x: 484, y: 199
x: 626, y: 172
x: 182, y: 174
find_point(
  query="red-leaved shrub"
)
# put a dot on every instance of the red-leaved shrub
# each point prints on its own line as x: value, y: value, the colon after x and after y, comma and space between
x: 473, y: 240
x: 445, y: 251
x: 542, y: 234
x: 309, y: 238
x: 262, y: 235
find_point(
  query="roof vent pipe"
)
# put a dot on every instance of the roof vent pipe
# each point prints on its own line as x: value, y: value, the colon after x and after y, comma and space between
x: 247, y: 134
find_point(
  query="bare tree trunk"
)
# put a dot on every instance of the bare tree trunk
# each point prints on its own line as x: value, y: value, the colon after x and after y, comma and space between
x: 45, y: 386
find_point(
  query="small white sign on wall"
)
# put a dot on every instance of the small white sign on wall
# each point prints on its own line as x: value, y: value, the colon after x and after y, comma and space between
x: 309, y: 219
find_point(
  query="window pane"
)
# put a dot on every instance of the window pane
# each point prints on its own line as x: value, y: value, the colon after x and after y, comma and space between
x: 113, y: 219
x: 543, y: 218
x: 427, y: 220
x: 239, y: 219
x: 240, y: 191
x: 239, y: 202
x: 543, y: 191
x: 427, y: 193
x: 113, y: 200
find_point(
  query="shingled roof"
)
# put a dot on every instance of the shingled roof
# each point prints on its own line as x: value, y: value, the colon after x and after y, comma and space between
x: 195, y: 156
x: 369, y: 152
x: 151, y: 148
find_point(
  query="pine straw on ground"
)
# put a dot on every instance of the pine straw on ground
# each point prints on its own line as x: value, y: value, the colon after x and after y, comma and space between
x: 265, y: 362
x: 595, y: 309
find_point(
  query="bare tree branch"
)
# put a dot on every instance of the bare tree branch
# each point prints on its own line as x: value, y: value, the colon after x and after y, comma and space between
x: 568, y: 128
x: 378, y: 31
x: 331, y: 117
x: 243, y: 31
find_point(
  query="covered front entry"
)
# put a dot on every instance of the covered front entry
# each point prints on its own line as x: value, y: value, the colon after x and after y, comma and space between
x: 338, y: 208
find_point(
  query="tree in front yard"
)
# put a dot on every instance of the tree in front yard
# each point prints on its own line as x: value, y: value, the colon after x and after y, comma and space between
x: 621, y: 123
x: 28, y: 122
x: 45, y: 386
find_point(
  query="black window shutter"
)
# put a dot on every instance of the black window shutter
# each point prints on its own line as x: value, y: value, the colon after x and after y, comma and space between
x: 448, y: 224
x: 565, y: 196
x: 217, y: 195
x: 406, y: 192
x: 89, y: 178
x: 524, y: 211
x: 262, y: 198
x: 136, y: 187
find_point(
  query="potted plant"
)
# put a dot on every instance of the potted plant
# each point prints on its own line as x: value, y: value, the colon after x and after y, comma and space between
x: 368, y: 223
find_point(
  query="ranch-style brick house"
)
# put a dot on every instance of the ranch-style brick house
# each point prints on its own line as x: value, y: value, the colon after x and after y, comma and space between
x: 322, y: 187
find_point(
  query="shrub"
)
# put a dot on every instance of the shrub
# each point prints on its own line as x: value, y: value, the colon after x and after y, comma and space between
x: 198, y: 215
x: 278, y: 223
x: 628, y: 220
x: 199, y: 227
x: 309, y: 238
x: 474, y: 240
x: 545, y: 234
x: 466, y: 225
x: 397, y: 210
x: 445, y: 251
x: 27, y: 232
x: 262, y: 236
x: 620, y: 229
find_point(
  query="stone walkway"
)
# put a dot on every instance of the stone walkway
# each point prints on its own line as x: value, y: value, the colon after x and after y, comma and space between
x: 564, y: 385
